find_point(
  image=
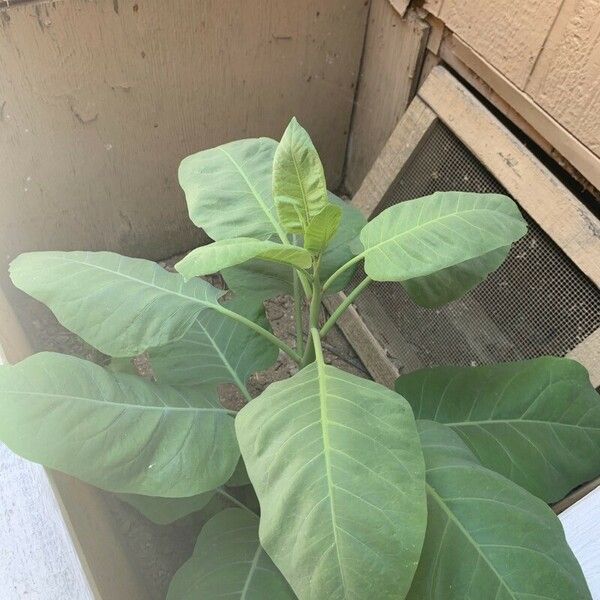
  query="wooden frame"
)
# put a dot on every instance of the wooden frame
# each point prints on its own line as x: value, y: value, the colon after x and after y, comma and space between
x: 560, y: 214
x: 106, y: 567
x: 570, y: 224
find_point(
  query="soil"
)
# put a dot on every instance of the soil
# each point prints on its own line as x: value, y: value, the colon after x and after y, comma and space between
x: 158, y: 551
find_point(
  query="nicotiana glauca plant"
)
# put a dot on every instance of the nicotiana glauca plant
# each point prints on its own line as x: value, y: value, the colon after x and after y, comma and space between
x: 435, y: 490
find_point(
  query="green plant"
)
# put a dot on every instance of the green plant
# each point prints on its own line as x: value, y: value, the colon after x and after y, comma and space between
x: 435, y: 490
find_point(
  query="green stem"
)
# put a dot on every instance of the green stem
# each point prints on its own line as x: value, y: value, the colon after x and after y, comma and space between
x: 339, y: 311
x: 316, y: 338
x: 345, y: 266
x: 258, y: 329
x: 298, y: 315
x: 314, y: 311
x: 233, y: 500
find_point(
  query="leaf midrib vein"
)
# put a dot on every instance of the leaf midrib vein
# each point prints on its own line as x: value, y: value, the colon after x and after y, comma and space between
x: 452, y: 517
x: 258, y: 197
x: 410, y: 231
x: 326, y: 445
x: 164, y: 408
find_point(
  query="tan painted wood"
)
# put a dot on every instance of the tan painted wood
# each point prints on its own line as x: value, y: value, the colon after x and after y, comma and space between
x: 433, y: 7
x: 480, y: 85
x: 566, y: 78
x: 400, y: 6
x: 588, y: 354
x: 99, y: 102
x: 394, y: 50
x: 430, y: 61
x: 507, y: 35
x: 436, y: 33
x: 98, y: 544
x: 556, y: 135
x: 570, y: 224
x: 373, y: 356
x: 412, y: 127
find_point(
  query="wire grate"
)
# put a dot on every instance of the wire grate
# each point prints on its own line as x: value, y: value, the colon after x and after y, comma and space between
x: 537, y: 303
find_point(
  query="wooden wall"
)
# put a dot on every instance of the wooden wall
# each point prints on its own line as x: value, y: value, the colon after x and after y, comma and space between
x: 543, y: 58
x: 101, y: 99
x: 394, y: 49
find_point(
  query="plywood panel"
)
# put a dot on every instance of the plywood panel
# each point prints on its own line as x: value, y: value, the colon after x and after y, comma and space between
x: 394, y: 49
x: 566, y: 78
x: 508, y: 35
x: 100, y: 100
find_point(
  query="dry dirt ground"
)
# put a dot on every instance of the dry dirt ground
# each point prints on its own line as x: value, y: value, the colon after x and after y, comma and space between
x: 158, y: 551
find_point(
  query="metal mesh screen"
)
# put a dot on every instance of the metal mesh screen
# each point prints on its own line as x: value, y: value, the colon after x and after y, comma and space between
x: 537, y: 303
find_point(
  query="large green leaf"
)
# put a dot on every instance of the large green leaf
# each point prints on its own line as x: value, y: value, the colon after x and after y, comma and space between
x: 487, y: 538
x: 449, y: 284
x: 322, y: 228
x: 260, y: 277
x: 536, y: 422
x: 228, y: 189
x: 340, y: 248
x: 336, y: 463
x: 268, y: 279
x: 228, y: 561
x: 226, y: 253
x: 119, y: 432
x: 419, y: 237
x: 299, y: 186
x: 164, y: 511
x: 120, y: 305
x: 217, y: 349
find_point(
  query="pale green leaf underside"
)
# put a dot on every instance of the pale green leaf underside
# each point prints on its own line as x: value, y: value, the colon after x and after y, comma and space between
x: 536, y: 422
x: 120, y: 305
x: 419, y: 237
x: 228, y: 189
x: 487, y: 538
x: 322, y: 228
x: 217, y: 349
x: 299, y: 186
x: 451, y: 283
x: 228, y: 562
x: 227, y: 253
x: 336, y: 464
x: 117, y: 431
x: 270, y: 279
x: 164, y: 511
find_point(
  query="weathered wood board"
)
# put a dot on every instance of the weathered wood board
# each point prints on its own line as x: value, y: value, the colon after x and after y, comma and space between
x: 394, y: 50
x: 100, y: 100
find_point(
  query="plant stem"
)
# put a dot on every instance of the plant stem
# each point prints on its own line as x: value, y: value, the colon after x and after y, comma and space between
x: 316, y: 338
x: 345, y: 266
x: 337, y: 313
x: 258, y: 329
x: 314, y: 311
x: 298, y: 315
x: 233, y: 500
